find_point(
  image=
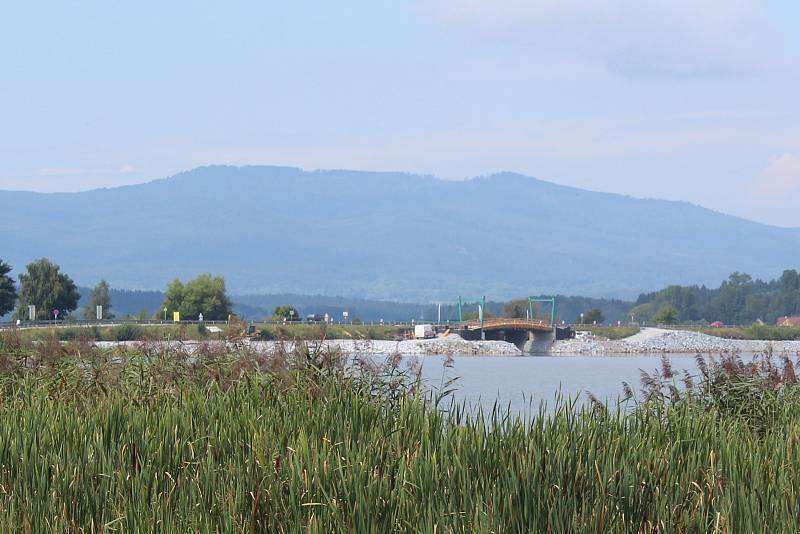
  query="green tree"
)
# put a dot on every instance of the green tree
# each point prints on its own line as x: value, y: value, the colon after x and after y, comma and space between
x: 739, y: 300
x: 173, y: 298
x: 666, y: 315
x: 205, y: 294
x: 44, y: 286
x: 100, y: 297
x: 643, y: 312
x: 289, y: 313
x: 593, y: 316
x: 8, y: 292
x: 517, y: 308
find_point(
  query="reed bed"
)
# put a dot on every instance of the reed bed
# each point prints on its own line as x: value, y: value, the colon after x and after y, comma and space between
x: 160, y: 438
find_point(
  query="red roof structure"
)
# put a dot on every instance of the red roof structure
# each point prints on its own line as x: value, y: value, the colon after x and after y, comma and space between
x: 788, y: 321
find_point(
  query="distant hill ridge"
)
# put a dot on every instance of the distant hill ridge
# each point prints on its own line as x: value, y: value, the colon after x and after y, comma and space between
x: 256, y: 307
x: 389, y: 236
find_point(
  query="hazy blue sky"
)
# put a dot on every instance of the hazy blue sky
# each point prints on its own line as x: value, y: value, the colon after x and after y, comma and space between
x: 682, y: 99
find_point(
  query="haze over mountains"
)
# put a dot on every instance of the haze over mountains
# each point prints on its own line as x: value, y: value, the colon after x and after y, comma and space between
x: 384, y: 236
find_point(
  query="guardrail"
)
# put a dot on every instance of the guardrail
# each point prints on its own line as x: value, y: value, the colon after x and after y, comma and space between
x: 157, y: 322
x: 664, y: 326
x: 109, y: 322
x: 690, y: 326
x: 409, y: 324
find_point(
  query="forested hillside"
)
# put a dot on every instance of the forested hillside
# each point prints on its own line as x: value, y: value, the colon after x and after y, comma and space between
x: 738, y: 300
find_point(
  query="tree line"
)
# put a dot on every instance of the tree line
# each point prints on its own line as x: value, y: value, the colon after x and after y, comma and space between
x: 52, y: 292
x: 738, y: 300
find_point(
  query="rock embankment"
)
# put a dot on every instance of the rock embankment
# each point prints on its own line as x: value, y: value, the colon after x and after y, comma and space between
x: 449, y: 346
x: 443, y: 346
x: 671, y: 341
x: 648, y: 341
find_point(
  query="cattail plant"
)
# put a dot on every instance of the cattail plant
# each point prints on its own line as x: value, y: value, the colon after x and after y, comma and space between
x: 234, y: 437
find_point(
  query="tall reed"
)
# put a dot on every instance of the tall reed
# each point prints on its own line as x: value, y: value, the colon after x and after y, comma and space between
x: 223, y: 438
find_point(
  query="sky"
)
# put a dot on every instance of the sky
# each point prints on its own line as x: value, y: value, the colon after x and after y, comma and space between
x: 677, y: 99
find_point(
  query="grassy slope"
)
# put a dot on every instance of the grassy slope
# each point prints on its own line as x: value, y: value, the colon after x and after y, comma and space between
x: 301, y: 331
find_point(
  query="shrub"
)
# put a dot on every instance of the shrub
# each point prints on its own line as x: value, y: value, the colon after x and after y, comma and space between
x: 127, y: 332
x: 94, y: 332
x: 755, y: 392
x: 774, y: 333
x: 68, y: 334
x: 266, y: 334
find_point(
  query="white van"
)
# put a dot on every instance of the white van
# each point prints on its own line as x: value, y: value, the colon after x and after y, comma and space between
x: 424, y: 331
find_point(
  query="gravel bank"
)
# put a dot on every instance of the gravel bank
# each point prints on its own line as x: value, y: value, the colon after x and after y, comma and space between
x: 441, y: 346
x: 673, y: 342
x: 449, y: 346
x: 649, y: 341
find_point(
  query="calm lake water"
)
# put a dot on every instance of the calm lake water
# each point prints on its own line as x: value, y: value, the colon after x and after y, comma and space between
x: 522, y: 382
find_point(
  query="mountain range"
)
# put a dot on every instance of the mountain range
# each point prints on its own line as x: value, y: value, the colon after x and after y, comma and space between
x: 383, y: 235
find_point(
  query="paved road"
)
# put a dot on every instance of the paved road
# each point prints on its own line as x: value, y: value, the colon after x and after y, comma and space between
x: 646, y: 333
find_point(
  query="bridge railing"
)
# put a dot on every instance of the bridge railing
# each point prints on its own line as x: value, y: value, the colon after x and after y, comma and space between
x: 508, y: 323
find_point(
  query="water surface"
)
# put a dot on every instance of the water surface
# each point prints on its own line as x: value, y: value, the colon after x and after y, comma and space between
x: 522, y: 382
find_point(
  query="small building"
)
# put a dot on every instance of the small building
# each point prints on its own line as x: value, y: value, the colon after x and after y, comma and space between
x: 788, y: 321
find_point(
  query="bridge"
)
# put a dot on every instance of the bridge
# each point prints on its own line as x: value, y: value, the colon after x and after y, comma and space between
x: 531, y: 334
x: 491, y: 325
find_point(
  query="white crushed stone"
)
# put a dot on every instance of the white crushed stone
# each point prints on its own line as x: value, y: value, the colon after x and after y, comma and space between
x: 446, y: 346
x: 672, y: 341
x: 648, y: 341
x: 440, y: 346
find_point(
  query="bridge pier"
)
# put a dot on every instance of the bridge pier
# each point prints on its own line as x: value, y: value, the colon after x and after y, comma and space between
x: 529, y: 336
x: 526, y: 341
x: 538, y: 342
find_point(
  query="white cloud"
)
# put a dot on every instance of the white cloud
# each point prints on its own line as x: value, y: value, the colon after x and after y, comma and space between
x: 779, y: 178
x: 635, y: 38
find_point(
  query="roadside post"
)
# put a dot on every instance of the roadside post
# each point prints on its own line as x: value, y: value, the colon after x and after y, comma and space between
x: 480, y: 320
x: 31, y: 313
